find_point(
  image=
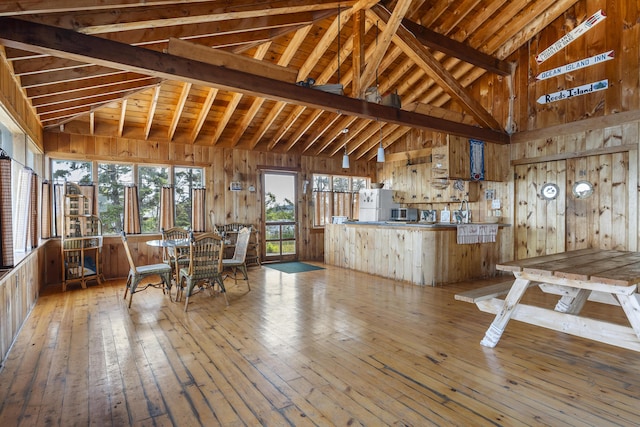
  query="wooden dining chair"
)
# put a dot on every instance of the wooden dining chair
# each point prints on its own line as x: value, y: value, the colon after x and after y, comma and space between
x: 205, y: 267
x: 239, y: 256
x: 139, y: 272
x: 174, y: 233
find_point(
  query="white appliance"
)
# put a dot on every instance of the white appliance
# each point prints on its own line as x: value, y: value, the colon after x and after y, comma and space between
x: 376, y: 204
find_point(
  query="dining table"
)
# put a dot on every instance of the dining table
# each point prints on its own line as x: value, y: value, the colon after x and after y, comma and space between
x: 598, y: 275
x: 175, y: 244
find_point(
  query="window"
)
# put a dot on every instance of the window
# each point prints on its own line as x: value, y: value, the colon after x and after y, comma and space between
x: 335, y: 195
x: 150, y: 181
x: 72, y: 171
x: 185, y: 179
x: 112, y: 178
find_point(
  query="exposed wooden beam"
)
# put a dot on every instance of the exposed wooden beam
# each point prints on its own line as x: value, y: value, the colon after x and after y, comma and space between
x: 236, y: 98
x: 123, y: 116
x: 152, y: 111
x: 51, y: 40
x: 232, y: 61
x: 437, y: 41
x: 28, y: 7
x: 177, y: 113
x: 203, y: 113
x: 122, y: 88
x: 321, y: 129
x: 392, y: 22
x: 105, y: 21
x: 303, y: 128
x: 357, y: 55
x: 431, y: 110
x: 284, y: 60
x: 436, y: 71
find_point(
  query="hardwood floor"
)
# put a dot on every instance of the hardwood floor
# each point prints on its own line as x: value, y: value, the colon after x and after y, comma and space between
x: 326, y: 347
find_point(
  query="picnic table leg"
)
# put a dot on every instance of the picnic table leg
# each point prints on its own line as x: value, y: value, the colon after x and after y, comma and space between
x: 631, y: 307
x: 572, y: 304
x: 493, y: 334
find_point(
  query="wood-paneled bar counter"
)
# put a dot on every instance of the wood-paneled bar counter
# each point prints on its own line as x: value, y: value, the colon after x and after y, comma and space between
x: 422, y: 254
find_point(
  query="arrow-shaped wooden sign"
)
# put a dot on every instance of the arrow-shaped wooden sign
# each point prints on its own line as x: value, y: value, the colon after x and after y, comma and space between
x: 570, y: 36
x: 583, y: 63
x: 576, y: 91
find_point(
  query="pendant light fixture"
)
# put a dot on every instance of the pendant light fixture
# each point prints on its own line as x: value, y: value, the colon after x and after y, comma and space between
x: 380, y: 148
x: 345, y: 157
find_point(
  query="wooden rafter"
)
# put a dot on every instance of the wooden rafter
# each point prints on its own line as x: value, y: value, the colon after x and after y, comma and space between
x: 382, y: 45
x: 284, y: 60
x: 235, y: 100
x: 152, y: 111
x: 177, y: 112
x: 425, y: 59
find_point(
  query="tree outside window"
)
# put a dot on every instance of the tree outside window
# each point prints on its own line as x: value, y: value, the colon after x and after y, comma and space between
x: 71, y: 171
x: 112, y: 179
x: 185, y: 180
x: 150, y: 181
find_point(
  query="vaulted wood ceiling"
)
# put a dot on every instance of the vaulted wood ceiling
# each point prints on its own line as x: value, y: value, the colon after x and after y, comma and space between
x: 115, y: 67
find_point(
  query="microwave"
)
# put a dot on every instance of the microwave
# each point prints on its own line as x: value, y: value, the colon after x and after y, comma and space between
x: 404, y: 214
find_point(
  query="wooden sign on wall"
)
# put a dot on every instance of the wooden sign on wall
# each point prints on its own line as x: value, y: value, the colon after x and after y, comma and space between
x: 571, y: 36
x: 583, y: 63
x: 575, y: 91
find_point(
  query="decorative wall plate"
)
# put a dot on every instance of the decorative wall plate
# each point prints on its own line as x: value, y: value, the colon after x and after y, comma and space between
x: 549, y: 191
x: 582, y: 189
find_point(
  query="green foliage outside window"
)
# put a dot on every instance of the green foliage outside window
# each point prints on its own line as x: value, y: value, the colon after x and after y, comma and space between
x: 150, y: 182
x: 112, y: 179
x: 185, y: 180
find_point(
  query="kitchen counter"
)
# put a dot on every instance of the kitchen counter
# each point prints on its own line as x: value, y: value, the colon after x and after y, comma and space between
x: 420, y: 253
x: 418, y: 224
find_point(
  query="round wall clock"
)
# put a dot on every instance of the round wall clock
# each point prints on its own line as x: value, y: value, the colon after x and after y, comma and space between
x: 549, y: 191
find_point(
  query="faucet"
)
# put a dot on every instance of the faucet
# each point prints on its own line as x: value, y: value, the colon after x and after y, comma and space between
x: 466, y: 218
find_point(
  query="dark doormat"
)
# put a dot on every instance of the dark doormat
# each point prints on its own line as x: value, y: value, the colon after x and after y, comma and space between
x: 293, y: 267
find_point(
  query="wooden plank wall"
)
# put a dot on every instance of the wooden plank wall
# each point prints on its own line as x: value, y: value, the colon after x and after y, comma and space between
x: 221, y: 165
x: 591, y: 137
x: 410, y: 175
x: 19, y: 290
x: 13, y: 100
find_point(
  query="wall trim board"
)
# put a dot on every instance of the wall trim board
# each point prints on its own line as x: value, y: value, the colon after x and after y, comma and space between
x: 575, y: 154
x: 609, y: 120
